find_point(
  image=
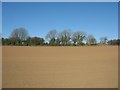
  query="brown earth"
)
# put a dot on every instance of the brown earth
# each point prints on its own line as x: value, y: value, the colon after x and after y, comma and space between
x: 60, y: 67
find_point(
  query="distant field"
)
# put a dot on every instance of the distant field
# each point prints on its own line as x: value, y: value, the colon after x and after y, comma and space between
x: 60, y: 67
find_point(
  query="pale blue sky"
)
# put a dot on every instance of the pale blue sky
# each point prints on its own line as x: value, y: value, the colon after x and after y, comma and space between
x: 96, y: 18
x: 0, y: 17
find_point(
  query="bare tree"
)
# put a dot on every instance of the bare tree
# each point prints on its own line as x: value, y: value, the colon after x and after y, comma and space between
x: 103, y: 40
x: 19, y: 33
x: 91, y: 40
x: 65, y: 37
x: 51, y: 36
x: 78, y: 38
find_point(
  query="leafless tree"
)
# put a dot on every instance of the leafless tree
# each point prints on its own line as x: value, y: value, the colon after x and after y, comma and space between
x: 51, y: 35
x: 19, y: 33
x: 65, y: 36
x: 91, y: 40
x: 78, y: 37
x: 103, y: 40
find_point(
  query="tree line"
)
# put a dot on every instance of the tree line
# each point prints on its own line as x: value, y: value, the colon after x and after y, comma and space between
x: 20, y: 37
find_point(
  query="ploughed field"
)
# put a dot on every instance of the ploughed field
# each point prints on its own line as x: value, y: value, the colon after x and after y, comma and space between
x: 60, y: 67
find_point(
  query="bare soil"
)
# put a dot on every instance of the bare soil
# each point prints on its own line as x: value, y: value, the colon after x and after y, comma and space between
x: 60, y: 67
